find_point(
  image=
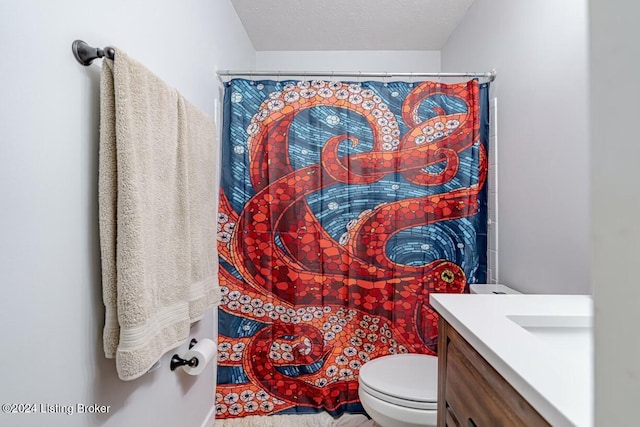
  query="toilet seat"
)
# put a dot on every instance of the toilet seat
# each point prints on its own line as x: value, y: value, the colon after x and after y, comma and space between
x: 408, y: 380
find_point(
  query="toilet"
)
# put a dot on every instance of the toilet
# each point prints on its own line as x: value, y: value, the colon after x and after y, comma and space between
x: 401, y: 390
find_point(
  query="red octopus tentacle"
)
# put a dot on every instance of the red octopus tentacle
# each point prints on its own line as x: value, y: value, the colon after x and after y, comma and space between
x: 370, y: 237
x: 262, y: 260
x: 341, y: 172
x: 268, y: 144
x: 368, y: 167
x: 270, y: 159
x: 428, y: 89
x: 421, y: 177
x: 262, y: 370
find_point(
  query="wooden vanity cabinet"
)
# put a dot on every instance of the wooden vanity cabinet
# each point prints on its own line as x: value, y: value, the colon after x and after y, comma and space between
x: 471, y: 393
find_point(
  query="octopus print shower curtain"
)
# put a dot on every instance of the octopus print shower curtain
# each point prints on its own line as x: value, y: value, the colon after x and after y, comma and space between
x: 342, y: 207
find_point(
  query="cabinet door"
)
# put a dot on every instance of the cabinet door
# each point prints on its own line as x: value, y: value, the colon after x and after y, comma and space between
x: 474, y: 394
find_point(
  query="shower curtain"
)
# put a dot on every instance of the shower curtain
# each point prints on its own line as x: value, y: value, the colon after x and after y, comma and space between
x: 343, y: 205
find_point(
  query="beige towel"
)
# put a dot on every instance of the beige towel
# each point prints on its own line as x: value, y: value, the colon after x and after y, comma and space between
x: 157, y: 198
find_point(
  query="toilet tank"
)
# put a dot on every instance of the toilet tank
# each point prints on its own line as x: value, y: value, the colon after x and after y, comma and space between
x: 485, y: 288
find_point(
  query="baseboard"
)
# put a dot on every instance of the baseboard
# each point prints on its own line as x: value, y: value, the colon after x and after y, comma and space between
x: 210, y: 418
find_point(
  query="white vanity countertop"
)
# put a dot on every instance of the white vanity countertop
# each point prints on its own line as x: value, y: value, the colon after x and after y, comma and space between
x: 553, y: 370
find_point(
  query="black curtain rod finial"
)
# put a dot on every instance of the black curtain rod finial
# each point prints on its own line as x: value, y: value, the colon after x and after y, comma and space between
x: 85, y: 54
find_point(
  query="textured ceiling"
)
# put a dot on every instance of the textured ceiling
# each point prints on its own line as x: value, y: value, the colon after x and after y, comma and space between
x: 350, y: 24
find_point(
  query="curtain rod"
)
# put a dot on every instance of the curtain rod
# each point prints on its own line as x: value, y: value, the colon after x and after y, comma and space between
x: 85, y: 55
x: 491, y: 75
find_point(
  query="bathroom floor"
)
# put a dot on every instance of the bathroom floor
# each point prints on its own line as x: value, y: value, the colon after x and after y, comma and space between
x: 315, y: 420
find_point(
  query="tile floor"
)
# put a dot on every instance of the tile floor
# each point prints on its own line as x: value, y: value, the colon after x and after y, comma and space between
x: 316, y: 420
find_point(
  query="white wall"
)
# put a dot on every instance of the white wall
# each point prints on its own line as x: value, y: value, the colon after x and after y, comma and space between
x: 50, y: 293
x: 615, y: 202
x: 539, y: 49
x: 371, y: 60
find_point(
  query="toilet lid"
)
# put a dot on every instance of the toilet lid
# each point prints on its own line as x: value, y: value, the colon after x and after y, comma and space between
x: 407, y: 379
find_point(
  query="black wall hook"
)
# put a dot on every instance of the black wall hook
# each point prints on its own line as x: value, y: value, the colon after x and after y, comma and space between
x: 85, y: 54
x: 177, y: 361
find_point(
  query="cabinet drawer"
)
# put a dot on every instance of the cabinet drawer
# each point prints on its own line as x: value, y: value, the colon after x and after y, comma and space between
x: 475, y: 393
